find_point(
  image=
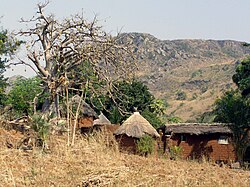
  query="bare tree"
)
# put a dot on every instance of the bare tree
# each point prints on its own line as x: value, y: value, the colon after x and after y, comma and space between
x: 56, y: 49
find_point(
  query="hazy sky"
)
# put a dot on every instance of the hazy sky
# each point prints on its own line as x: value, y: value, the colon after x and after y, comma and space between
x: 165, y: 19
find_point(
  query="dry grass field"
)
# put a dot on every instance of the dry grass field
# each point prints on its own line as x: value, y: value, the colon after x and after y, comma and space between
x: 96, y: 161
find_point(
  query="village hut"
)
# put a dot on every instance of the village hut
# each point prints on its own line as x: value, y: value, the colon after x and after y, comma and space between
x: 135, y: 127
x: 101, y: 122
x: 199, y: 140
x: 87, y: 115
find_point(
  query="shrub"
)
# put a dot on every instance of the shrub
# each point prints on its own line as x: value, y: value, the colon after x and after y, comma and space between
x: 22, y: 95
x: 175, y: 152
x: 41, y: 126
x: 145, y: 145
x: 181, y: 95
x: 196, y: 73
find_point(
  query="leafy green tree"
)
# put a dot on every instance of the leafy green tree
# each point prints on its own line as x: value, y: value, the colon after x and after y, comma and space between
x: 158, y: 106
x: 152, y: 117
x: 242, y: 77
x: 22, y: 95
x: 234, y: 110
x: 8, y: 46
x: 133, y: 96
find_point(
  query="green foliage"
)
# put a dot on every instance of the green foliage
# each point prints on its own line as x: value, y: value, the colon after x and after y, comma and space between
x: 41, y: 126
x: 242, y: 77
x: 145, y: 145
x: 196, y: 73
x: 114, y: 115
x: 22, y: 95
x: 175, y: 152
x: 133, y: 94
x: 8, y: 44
x: 234, y: 109
x: 181, y: 95
x: 7, y: 47
x: 207, y: 117
x: 158, y: 106
x: 130, y: 96
x: 174, y: 119
x: 152, y: 118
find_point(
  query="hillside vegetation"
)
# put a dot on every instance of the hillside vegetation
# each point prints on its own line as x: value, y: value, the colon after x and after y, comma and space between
x: 96, y: 161
x: 202, y: 69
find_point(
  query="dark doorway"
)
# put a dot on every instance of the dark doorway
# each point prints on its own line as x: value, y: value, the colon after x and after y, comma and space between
x: 247, y: 155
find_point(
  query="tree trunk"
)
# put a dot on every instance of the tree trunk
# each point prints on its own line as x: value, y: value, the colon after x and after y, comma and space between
x: 51, y: 103
x: 57, y: 106
x: 47, y: 102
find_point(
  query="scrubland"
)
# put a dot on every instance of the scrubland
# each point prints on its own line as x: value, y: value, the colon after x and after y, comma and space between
x: 97, y: 161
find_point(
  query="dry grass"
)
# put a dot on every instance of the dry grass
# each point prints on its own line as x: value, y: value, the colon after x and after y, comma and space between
x: 96, y: 161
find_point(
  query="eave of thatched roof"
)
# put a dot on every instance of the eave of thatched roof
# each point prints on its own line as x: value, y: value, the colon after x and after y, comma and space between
x: 102, y: 120
x: 85, y: 109
x: 197, y: 128
x: 136, y: 126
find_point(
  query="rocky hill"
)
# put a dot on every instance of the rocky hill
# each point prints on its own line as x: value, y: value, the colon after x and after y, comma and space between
x: 188, y: 74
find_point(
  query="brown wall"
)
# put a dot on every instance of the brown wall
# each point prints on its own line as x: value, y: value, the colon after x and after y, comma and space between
x: 111, y: 128
x: 85, y: 122
x: 204, y: 145
x: 126, y: 143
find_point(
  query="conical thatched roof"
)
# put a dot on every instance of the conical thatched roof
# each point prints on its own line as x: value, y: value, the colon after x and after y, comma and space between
x: 136, y: 126
x: 85, y: 109
x: 102, y: 120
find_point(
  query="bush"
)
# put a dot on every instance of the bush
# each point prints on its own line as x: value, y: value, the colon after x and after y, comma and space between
x: 181, y: 95
x: 175, y: 152
x: 145, y: 145
x: 196, y: 73
x: 22, y: 95
x: 41, y: 126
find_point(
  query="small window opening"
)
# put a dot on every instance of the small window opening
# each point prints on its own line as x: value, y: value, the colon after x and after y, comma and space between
x: 183, y: 138
x: 168, y: 134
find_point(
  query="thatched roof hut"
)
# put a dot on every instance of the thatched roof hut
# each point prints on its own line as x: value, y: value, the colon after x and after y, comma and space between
x: 199, y: 140
x: 197, y: 128
x: 136, y: 126
x: 86, y: 114
x: 102, y: 120
x: 85, y: 109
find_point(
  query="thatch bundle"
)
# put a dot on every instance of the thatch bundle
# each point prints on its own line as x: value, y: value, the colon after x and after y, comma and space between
x: 136, y: 126
x: 197, y: 128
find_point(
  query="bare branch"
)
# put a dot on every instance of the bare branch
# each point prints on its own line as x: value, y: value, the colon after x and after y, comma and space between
x: 60, y: 48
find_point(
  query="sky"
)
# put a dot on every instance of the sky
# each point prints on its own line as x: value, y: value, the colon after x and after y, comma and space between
x: 165, y: 19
